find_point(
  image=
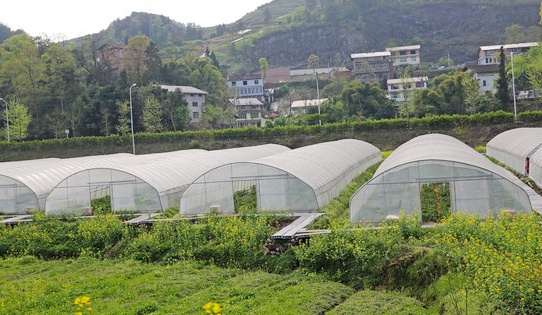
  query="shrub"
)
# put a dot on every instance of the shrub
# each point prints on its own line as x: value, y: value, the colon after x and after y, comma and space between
x: 358, y: 258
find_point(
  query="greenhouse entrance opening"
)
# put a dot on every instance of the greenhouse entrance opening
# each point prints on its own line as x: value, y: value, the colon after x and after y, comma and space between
x: 435, y: 201
x: 245, y: 199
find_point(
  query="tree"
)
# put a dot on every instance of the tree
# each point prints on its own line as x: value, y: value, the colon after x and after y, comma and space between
x: 445, y: 61
x: 471, y: 95
x: 405, y: 107
x: 176, y: 110
x: 363, y: 98
x: 267, y: 17
x: 123, y: 109
x: 19, y: 120
x: 503, y: 94
x: 212, y: 117
x: 313, y: 62
x: 514, y: 34
x: 22, y: 70
x: 264, y: 66
x: 135, y: 58
x: 58, y: 122
x: 152, y: 115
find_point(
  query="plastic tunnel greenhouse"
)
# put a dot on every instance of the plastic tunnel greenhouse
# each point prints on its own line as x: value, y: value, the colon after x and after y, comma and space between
x: 24, y: 185
x: 154, y: 183
x: 519, y: 149
x: 303, y: 179
x: 476, y: 185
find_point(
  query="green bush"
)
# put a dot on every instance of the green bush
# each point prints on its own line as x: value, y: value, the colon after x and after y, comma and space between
x: 196, y: 138
x: 358, y: 258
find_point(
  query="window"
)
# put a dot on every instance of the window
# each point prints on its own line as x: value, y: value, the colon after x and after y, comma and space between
x: 394, y: 96
x: 256, y: 81
x: 121, y: 52
x: 192, y: 94
x: 395, y: 87
x: 242, y: 116
x: 234, y: 84
x: 195, y: 115
x: 403, y: 60
x: 245, y: 82
x: 383, y: 65
x: 403, y: 53
x: 413, y: 59
x: 484, y: 83
x: 256, y: 115
x: 419, y: 85
x: 194, y: 104
x: 413, y: 52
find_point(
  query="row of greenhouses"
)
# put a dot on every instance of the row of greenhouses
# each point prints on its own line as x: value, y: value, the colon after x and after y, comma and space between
x: 302, y: 179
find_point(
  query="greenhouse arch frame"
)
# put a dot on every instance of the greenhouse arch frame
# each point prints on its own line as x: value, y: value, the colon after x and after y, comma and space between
x: 304, y: 179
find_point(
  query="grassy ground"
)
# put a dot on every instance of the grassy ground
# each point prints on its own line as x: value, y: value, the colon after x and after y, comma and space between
x: 31, y: 286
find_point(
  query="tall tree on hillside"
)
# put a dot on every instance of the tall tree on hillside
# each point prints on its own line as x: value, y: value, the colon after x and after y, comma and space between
x: 153, y: 63
x: 471, y: 95
x: 503, y: 94
x: 135, y: 58
x: 19, y: 120
x: 264, y: 66
x: 22, y: 71
x: 123, y: 109
x: 152, y: 115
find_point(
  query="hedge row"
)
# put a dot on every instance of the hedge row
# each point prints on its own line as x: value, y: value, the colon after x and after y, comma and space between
x: 445, y: 121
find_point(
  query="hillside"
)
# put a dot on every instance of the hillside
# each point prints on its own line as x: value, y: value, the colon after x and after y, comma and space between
x: 441, y: 27
x: 6, y: 32
x: 286, y: 32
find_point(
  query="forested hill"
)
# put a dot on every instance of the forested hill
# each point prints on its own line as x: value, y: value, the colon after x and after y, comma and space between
x: 286, y: 32
x: 6, y: 32
x: 457, y: 27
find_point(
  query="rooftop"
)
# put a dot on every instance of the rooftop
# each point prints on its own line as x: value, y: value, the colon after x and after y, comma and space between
x: 408, y: 80
x: 245, y: 101
x: 492, y: 68
x: 306, y: 103
x: 300, y: 72
x: 403, y: 48
x: 372, y: 54
x: 508, y: 46
x: 184, y: 89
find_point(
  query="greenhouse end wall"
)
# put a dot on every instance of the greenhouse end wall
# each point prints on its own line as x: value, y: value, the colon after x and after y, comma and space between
x: 472, y: 190
x: 474, y: 183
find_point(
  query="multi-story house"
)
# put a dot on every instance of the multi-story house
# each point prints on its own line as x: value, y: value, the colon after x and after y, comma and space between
x: 397, y: 87
x: 195, y: 99
x: 485, y: 75
x: 404, y: 56
x: 488, y: 55
x: 372, y: 66
x: 247, y: 86
x: 249, y: 112
x: 111, y: 56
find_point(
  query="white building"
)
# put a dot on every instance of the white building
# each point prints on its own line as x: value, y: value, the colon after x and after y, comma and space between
x: 194, y: 97
x: 247, y: 87
x: 487, y: 55
x: 249, y: 112
x: 301, y: 105
x: 485, y: 75
x: 397, y: 87
x: 405, y: 55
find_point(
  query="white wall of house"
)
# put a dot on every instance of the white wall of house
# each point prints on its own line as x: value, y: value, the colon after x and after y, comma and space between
x: 396, y: 87
x: 196, y: 105
x: 486, y: 81
x: 249, y: 88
